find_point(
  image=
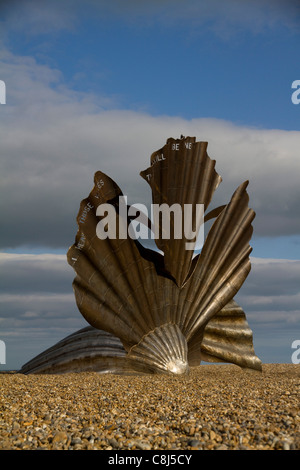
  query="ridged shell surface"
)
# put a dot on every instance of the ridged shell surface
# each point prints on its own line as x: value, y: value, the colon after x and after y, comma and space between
x: 168, y: 311
x: 227, y: 338
x: 181, y: 173
x: 164, y: 348
x: 84, y: 350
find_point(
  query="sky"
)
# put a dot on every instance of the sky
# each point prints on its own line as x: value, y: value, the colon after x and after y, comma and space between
x: 100, y: 85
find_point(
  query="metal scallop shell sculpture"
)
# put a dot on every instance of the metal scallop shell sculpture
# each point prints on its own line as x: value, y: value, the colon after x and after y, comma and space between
x: 160, y: 311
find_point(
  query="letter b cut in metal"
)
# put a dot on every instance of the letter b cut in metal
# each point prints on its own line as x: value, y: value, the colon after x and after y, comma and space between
x: 164, y: 310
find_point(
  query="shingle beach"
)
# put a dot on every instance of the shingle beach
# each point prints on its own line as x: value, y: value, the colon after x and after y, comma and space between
x: 214, y: 407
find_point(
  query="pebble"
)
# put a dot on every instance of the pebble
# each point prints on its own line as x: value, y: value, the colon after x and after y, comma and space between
x: 214, y: 407
x: 222, y: 447
x: 60, y: 438
x: 194, y: 443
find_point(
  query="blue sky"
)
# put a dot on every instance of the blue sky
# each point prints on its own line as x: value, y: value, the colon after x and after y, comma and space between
x: 101, y: 85
x: 186, y: 67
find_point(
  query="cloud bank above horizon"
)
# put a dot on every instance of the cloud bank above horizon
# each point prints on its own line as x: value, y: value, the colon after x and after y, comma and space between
x: 51, y: 152
x: 39, y: 308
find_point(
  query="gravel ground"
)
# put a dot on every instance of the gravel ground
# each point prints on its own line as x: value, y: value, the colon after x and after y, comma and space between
x: 214, y: 407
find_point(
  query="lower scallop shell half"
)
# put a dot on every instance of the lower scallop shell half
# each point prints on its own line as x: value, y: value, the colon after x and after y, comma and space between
x: 227, y: 338
x: 164, y: 349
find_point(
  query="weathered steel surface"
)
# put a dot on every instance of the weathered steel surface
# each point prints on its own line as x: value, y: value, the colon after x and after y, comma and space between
x: 181, y: 173
x: 88, y: 349
x: 227, y: 338
x: 168, y: 311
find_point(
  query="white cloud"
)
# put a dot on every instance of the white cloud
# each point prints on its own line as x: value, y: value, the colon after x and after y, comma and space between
x: 53, y: 140
x: 42, y: 300
x: 30, y: 314
x: 259, y: 261
x: 21, y: 257
x: 271, y: 293
x: 278, y: 319
x: 36, y: 318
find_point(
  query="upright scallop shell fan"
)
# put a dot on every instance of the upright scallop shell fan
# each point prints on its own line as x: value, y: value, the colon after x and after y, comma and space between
x: 182, y: 174
x: 168, y: 311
